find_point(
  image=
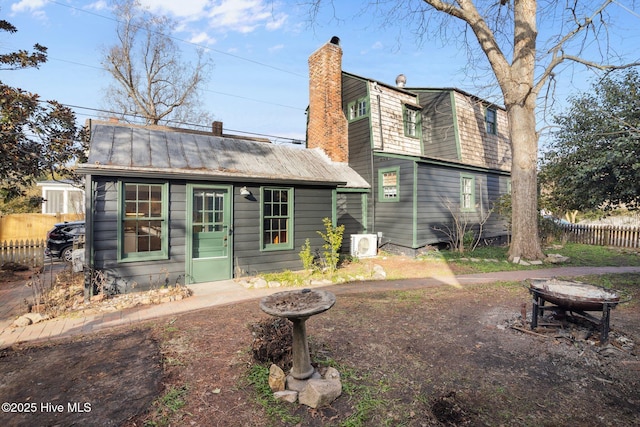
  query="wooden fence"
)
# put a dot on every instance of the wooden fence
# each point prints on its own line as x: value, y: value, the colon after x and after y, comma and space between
x: 620, y: 236
x: 27, y: 252
x: 31, y: 226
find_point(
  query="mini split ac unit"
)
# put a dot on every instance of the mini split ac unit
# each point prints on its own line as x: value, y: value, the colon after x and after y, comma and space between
x: 364, y: 245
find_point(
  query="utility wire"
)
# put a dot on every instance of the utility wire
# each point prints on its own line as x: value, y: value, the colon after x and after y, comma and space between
x: 174, y: 122
x: 262, y: 64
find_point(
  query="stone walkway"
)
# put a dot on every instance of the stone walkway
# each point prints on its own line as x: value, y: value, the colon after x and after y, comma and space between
x: 206, y: 295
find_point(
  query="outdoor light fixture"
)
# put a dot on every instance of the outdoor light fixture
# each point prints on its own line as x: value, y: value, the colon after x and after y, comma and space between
x: 244, y: 191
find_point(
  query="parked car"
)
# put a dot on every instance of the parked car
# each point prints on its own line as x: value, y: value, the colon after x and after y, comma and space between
x: 61, y: 237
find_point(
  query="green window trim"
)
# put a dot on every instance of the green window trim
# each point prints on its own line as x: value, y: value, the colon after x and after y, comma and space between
x: 467, y: 193
x: 143, y: 221
x: 412, y: 121
x: 389, y: 185
x: 491, y: 120
x: 276, y: 218
x: 357, y: 109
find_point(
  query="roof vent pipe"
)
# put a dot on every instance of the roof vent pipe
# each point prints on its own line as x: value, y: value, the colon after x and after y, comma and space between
x: 401, y: 80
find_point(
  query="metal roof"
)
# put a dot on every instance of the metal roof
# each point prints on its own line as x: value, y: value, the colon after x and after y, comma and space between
x: 118, y: 149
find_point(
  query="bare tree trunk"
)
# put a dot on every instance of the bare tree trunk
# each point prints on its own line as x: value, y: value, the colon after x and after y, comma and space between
x: 524, y: 144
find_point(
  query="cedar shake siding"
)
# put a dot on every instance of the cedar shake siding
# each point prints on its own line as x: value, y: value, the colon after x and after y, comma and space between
x: 438, y: 128
x: 425, y: 142
x: 481, y: 148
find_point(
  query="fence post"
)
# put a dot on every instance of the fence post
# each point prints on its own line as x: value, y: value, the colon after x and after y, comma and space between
x: 27, y: 252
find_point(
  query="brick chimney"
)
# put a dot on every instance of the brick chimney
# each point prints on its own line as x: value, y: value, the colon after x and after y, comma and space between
x: 216, y: 128
x: 327, y: 124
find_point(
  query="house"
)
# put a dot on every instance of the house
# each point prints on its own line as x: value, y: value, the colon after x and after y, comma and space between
x: 428, y: 154
x: 61, y: 197
x: 170, y: 205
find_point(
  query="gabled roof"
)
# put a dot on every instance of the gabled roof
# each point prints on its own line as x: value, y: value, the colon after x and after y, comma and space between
x: 415, y: 90
x: 121, y: 150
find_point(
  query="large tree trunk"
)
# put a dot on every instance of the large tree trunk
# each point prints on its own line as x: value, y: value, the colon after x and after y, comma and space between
x: 517, y: 86
x: 525, y: 242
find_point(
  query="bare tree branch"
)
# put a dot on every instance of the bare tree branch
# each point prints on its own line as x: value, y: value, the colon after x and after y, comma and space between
x: 151, y: 82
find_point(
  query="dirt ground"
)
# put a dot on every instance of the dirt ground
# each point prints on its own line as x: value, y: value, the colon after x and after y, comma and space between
x: 440, y: 356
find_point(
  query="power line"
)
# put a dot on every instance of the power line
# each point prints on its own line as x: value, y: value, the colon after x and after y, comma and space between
x: 203, y: 89
x: 206, y: 48
x: 175, y: 122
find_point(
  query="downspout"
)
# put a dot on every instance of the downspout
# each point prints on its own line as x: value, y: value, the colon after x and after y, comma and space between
x: 373, y: 178
x: 380, y: 124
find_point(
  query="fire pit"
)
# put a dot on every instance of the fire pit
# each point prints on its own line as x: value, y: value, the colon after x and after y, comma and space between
x: 298, y: 306
x: 575, y: 297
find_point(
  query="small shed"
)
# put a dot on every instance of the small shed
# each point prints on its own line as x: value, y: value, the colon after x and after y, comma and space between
x: 168, y: 205
x: 61, y: 197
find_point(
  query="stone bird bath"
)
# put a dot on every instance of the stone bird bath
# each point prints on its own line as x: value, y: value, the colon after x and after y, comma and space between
x: 298, y: 306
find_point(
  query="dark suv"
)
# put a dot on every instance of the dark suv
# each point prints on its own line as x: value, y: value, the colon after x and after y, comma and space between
x: 61, y: 237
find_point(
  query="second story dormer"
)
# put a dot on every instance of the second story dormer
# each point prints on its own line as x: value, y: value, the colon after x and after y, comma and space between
x: 351, y: 114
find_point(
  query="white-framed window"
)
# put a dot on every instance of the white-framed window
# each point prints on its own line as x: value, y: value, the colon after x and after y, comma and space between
x: 412, y: 121
x: 357, y: 109
x: 467, y: 193
x: 277, y: 218
x: 389, y: 184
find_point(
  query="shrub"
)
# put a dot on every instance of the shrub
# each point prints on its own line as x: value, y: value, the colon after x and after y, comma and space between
x: 333, y: 242
x: 306, y: 256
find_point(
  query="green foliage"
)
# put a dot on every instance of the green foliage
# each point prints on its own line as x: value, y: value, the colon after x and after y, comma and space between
x: 593, y: 160
x: 549, y: 230
x: 285, y: 278
x: 468, y: 239
x: 333, y: 241
x: 37, y: 137
x: 277, y: 411
x: 30, y: 202
x: 502, y: 207
x: 364, y: 393
x: 167, y: 406
x: 580, y: 255
x: 21, y: 58
x: 597, y: 256
x: 306, y: 256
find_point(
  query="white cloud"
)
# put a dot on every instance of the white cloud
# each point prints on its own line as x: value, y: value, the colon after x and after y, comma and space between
x: 276, y: 48
x: 27, y: 5
x: 97, y: 5
x: 202, y: 38
x: 277, y: 22
x: 245, y: 16
x: 190, y: 9
x: 377, y: 46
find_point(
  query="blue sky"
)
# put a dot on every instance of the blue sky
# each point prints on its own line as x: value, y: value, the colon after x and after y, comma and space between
x: 259, y: 81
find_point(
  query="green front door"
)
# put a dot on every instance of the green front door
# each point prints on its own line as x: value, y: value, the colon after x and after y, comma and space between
x: 209, y: 234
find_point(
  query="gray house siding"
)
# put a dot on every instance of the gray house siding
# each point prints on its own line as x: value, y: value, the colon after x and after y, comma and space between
x: 395, y: 218
x: 311, y: 205
x: 360, y: 145
x: 425, y: 191
x: 438, y: 125
x: 359, y: 130
x: 130, y: 276
x: 350, y: 213
x: 438, y: 195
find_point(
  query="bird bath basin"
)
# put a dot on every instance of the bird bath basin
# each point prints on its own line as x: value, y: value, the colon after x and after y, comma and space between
x: 298, y: 306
